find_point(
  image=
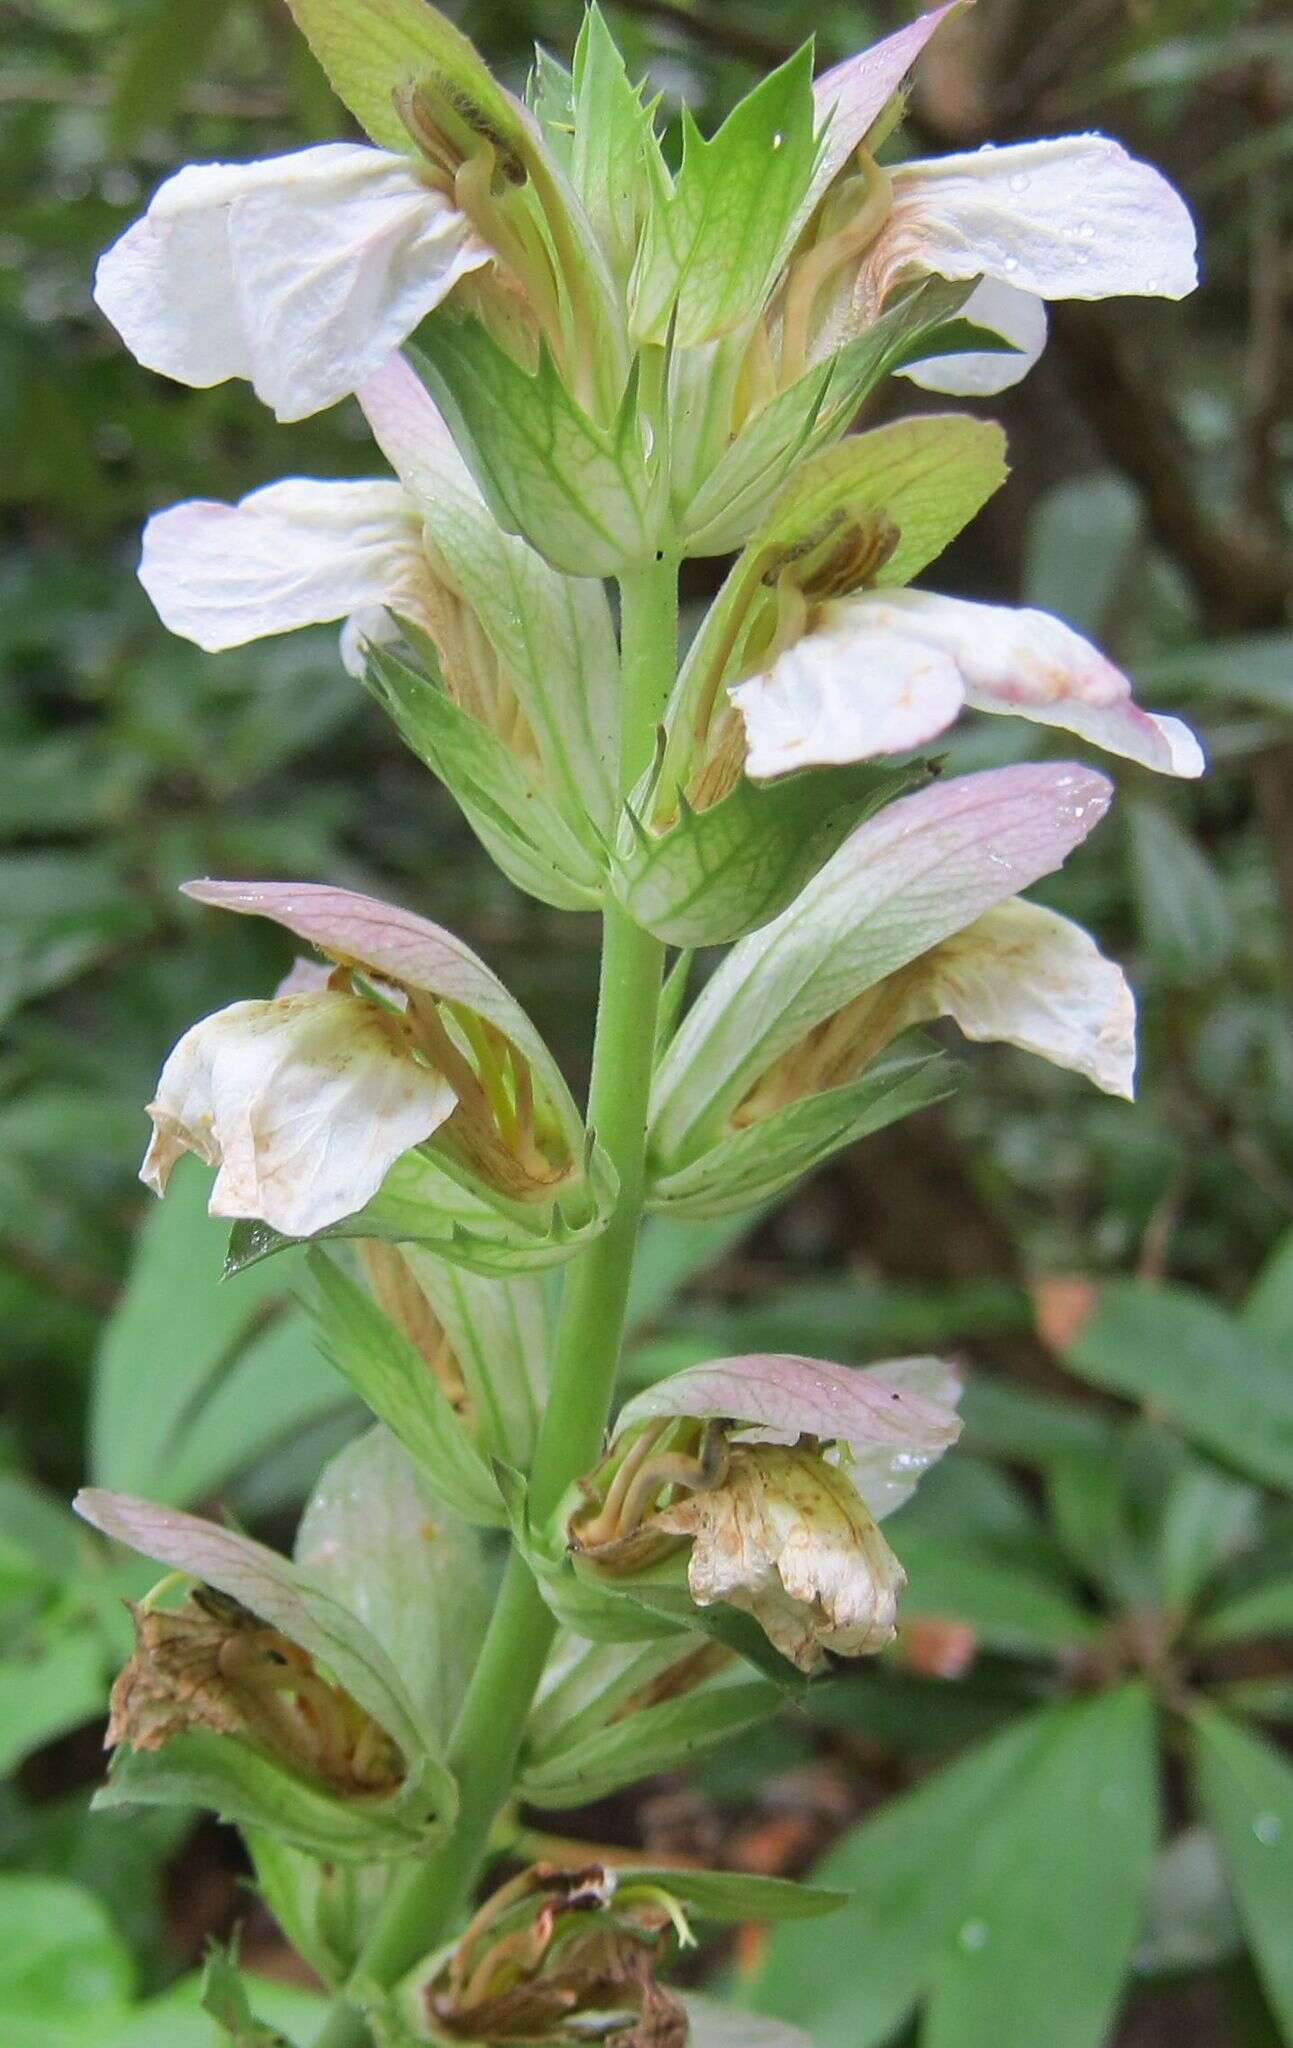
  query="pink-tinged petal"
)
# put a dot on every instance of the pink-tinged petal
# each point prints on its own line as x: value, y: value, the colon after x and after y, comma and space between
x: 850, y: 97
x: 391, y: 944
x: 836, y: 696
x: 408, y: 428
x: 1016, y: 316
x: 1025, y: 976
x: 925, y: 867
x: 802, y: 1396
x: 302, y: 1105
x: 293, y: 554
x: 301, y: 272
x: 397, y: 946
x: 1076, y: 218
x: 1031, y: 664
x: 887, y: 1477
x: 269, y: 1586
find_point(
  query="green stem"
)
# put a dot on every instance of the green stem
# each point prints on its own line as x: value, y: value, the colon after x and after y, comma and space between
x: 425, y: 1902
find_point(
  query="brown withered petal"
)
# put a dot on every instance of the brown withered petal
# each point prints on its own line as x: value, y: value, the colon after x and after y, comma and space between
x: 213, y: 1664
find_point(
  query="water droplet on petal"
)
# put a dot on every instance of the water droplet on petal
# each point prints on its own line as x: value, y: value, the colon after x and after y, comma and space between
x: 1268, y: 1827
x: 1018, y: 182
x: 1011, y: 263
x: 1086, y: 229
x: 974, y: 1935
x: 1151, y: 284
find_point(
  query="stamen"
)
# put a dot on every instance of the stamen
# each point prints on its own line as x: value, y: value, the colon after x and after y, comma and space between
x: 812, y: 270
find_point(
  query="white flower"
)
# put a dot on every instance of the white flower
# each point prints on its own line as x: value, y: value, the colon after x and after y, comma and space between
x: 1021, y: 975
x: 884, y: 672
x: 297, y: 553
x: 302, y: 1103
x: 301, y: 272
x: 777, y: 1527
x: 788, y: 1539
x: 1074, y: 218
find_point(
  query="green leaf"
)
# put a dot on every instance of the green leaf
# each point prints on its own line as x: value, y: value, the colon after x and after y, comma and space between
x: 372, y: 49
x: 727, y: 1896
x: 659, y: 1738
x: 743, y: 1170
x: 1261, y: 1610
x: 1186, y: 1358
x: 178, y: 1407
x: 1247, y: 1790
x: 517, y: 823
x: 161, y: 60
x: 613, y: 139
x: 61, y: 1962
x: 1080, y: 541
x: 672, y: 1252
x: 52, y: 1687
x: 1268, y: 1312
x: 420, y: 1203
x: 200, y: 1768
x: 1190, y: 1918
x: 393, y: 1379
x: 224, y: 1997
x: 413, y: 1572
x: 1181, y: 903
x: 501, y: 1337
x: 928, y: 476
x: 60, y: 913
x: 714, y: 242
x: 1078, y: 1826
x: 1254, y: 669
x: 584, y: 496
x: 714, y: 875
x: 854, y: 1980
x: 727, y: 488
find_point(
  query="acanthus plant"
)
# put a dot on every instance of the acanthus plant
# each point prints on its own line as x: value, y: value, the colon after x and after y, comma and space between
x: 585, y: 365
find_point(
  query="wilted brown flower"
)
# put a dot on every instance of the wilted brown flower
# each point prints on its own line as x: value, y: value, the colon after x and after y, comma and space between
x: 213, y: 1664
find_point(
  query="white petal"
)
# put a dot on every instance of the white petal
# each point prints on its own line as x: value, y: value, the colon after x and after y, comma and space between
x: 1032, y: 665
x: 1016, y: 316
x: 301, y: 272
x: 302, y: 1104
x: 887, y: 1477
x: 409, y: 429
x: 1028, y: 977
x: 293, y: 554
x: 846, y: 694
x: 1076, y: 218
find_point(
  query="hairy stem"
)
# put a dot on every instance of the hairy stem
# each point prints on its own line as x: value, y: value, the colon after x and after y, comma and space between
x: 425, y: 1902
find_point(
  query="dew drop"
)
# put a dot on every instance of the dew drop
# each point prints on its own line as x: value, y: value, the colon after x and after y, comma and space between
x: 1011, y: 263
x: 1268, y: 1827
x: 974, y: 1935
x: 1086, y: 229
x: 1018, y: 182
x: 985, y: 148
x: 1151, y: 284
x: 777, y: 141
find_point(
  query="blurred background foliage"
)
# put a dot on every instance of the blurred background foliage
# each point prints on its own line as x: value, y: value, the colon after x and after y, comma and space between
x: 1116, y: 1544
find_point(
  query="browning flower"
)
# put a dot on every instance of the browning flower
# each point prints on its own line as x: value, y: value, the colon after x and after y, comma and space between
x: 561, y: 1956
x: 213, y: 1664
x: 782, y: 1528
